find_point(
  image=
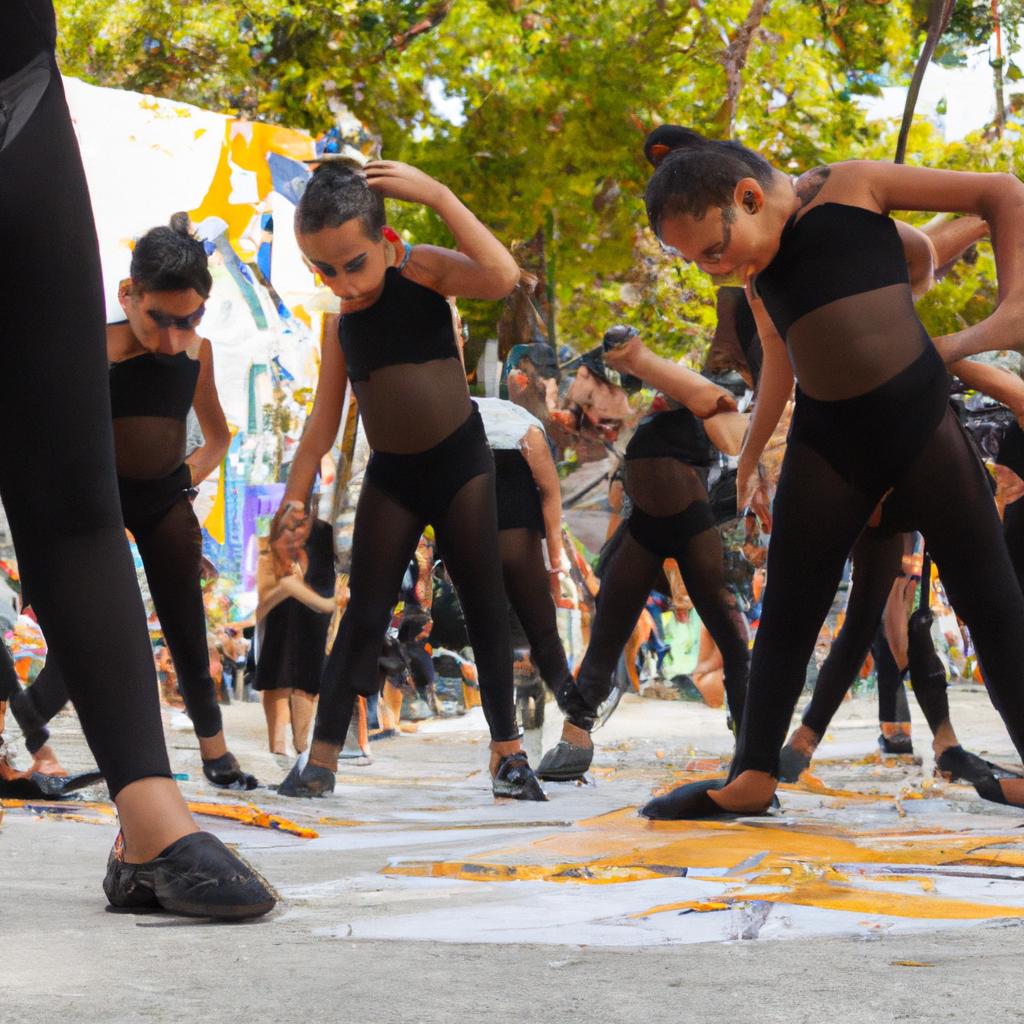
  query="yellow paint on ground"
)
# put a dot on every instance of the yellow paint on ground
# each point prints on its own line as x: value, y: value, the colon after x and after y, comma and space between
x: 799, y: 863
x: 249, y: 814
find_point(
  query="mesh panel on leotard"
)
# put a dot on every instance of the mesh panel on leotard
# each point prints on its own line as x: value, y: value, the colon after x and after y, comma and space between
x: 838, y: 292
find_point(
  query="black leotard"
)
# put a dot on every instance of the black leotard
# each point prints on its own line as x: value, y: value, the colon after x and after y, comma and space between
x: 153, y: 384
x: 409, y: 323
x: 838, y: 292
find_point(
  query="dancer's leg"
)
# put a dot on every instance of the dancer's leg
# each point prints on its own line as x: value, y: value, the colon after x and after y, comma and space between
x: 384, y: 538
x: 526, y: 583
x: 702, y: 567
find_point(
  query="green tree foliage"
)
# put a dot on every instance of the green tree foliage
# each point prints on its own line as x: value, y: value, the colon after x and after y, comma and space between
x: 552, y: 100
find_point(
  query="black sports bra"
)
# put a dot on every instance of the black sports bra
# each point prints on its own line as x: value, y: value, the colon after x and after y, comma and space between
x: 154, y: 384
x: 409, y: 323
x: 833, y: 251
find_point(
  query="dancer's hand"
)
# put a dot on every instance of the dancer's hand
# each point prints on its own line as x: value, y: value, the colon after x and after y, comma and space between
x: 396, y: 180
x: 629, y: 357
x: 1009, y: 486
x: 286, y: 533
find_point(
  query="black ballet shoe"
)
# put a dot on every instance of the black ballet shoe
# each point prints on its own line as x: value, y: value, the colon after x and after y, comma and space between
x: 958, y: 763
x: 310, y: 780
x: 38, y: 786
x: 565, y: 762
x: 692, y: 803
x: 515, y: 779
x: 901, y: 744
x: 988, y: 788
x: 225, y: 771
x: 792, y: 764
x: 197, y: 876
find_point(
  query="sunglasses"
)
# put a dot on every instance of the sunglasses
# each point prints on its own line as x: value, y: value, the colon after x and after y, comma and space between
x: 179, y: 323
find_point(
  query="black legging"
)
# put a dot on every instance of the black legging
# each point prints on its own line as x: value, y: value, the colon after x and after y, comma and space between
x: 57, y: 478
x: 876, y: 563
x: 818, y: 516
x: 384, y: 539
x: 625, y: 587
x: 171, y: 547
x: 527, y: 587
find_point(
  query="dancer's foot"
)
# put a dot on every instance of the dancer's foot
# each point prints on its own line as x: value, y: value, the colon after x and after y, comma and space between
x: 45, y: 762
x: 308, y: 779
x: 895, y: 738
x: 749, y: 794
x: 570, y: 758
x: 226, y: 772
x: 956, y: 763
x: 515, y: 779
x: 795, y: 756
x: 197, y: 876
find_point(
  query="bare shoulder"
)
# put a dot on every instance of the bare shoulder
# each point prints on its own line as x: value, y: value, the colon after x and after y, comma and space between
x: 431, y: 265
x: 810, y: 183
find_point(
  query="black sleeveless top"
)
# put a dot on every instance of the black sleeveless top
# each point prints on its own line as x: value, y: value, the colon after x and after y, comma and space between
x: 833, y: 251
x: 27, y: 27
x: 409, y: 323
x: 154, y: 384
x: 676, y: 434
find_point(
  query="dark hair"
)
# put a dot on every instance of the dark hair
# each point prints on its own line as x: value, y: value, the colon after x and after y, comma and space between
x: 335, y: 194
x: 171, y: 259
x: 693, y: 173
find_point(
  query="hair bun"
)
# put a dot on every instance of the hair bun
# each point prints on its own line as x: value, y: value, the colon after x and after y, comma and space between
x: 181, y: 223
x: 668, y: 137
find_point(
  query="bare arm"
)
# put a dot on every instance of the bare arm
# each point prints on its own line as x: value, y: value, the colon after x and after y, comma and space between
x: 482, y: 268
x: 773, y: 392
x: 545, y: 476
x: 726, y: 431
x: 217, y: 438
x: 697, y: 393
x: 292, y: 586
x: 997, y: 383
x: 324, y: 421
x: 998, y: 199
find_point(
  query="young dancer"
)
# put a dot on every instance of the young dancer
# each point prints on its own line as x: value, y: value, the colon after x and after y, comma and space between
x: 529, y: 501
x: 55, y: 419
x: 430, y: 463
x: 667, y: 460
x: 159, y: 369
x: 825, y: 270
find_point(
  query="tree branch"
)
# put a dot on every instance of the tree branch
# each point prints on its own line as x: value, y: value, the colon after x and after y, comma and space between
x: 734, y: 59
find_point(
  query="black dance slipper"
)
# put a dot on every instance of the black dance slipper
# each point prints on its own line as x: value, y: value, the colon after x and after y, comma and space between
x: 792, y: 764
x: 958, y: 763
x: 901, y: 744
x: 565, y: 762
x: 197, y: 876
x: 38, y: 786
x: 226, y: 772
x: 988, y: 788
x: 309, y: 780
x: 692, y: 803
x: 515, y: 779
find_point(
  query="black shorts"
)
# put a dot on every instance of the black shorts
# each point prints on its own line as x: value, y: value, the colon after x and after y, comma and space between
x: 426, y: 482
x: 518, y: 497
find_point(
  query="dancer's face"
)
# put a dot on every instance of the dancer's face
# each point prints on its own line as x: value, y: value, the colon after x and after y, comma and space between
x: 734, y: 242
x: 350, y: 263
x: 163, y: 322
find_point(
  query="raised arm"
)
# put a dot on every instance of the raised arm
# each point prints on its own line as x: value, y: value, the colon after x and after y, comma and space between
x: 996, y: 198
x: 482, y: 268
x: 697, y: 393
x: 214, y: 425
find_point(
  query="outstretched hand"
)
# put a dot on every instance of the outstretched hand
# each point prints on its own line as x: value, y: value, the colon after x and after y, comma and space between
x: 396, y: 180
